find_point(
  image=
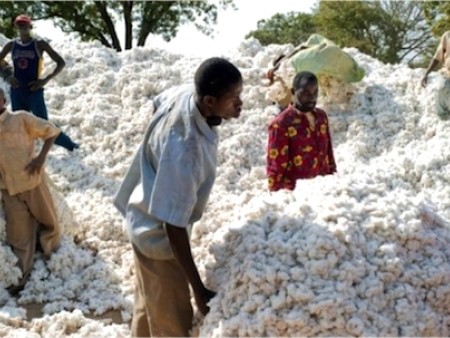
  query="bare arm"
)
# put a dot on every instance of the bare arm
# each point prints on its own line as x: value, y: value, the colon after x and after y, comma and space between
x: 60, y: 63
x: 6, y: 49
x: 431, y: 66
x: 179, y: 242
x: 6, y: 71
x: 35, y: 166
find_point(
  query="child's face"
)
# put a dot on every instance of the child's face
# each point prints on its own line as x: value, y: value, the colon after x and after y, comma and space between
x: 228, y: 105
x: 23, y: 28
x: 305, y: 98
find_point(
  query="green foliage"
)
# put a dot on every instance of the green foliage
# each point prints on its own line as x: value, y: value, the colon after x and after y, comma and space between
x: 97, y: 19
x: 292, y: 28
x: 349, y: 24
x: 391, y: 31
x: 437, y: 14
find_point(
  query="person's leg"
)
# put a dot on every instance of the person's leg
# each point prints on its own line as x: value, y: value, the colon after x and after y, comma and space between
x: 17, y: 100
x: 140, y: 324
x: 166, y: 295
x: 21, y: 229
x: 40, y: 204
x: 37, y: 104
x: 38, y: 108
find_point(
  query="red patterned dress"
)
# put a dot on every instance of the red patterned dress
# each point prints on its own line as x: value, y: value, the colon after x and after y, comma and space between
x: 296, y: 149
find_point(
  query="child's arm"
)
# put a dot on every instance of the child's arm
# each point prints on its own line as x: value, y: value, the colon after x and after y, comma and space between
x: 6, y: 71
x: 38, y: 128
x: 277, y: 155
x: 35, y: 166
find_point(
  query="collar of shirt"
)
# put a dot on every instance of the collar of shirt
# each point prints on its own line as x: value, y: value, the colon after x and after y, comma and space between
x: 209, y: 132
x: 313, y: 111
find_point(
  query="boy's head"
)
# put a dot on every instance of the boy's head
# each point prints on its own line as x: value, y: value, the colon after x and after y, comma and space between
x: 305, y: 89
x: 23, y: 24
x: 218, y: 84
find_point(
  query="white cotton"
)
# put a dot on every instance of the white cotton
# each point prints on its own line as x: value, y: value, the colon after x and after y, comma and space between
x: 362, y: 252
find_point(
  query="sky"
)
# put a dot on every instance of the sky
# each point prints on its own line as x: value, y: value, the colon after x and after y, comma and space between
x: 232, y: 26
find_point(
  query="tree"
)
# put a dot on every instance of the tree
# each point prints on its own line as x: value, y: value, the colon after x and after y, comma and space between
x: 292, y: 28
x: 437, y: 14
x: 96, y: 20
x: 391, y: 31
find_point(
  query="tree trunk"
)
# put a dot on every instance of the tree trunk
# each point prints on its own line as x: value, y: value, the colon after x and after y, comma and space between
x: 109, y: 23
x: 153, y: 11
x: 127, y: 9
x: 104, y: 41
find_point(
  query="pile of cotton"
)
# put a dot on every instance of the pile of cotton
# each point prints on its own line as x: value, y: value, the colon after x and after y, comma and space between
x: 341, y: 258
x: 361, y: 252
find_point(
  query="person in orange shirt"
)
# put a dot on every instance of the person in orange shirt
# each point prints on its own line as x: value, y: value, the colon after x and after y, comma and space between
x: 29, y: 210
x: 299, y: 143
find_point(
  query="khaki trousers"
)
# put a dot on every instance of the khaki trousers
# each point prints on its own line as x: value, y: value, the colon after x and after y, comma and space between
x: 31, y: 216
x: 162, y: 305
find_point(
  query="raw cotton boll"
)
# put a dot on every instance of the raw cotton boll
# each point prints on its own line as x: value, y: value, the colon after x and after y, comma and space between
x: 74, y: 324
x: 253, y: 97
x: 264, y: 59
x: 9, y: 271
x: 246, y: 62
x: 11, y: 313
x: 4, y: 295
x: 355, y: 326
x: 249, y: 47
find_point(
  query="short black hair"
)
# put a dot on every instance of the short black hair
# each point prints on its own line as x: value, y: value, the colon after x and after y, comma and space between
x: 215, y: 76
x: 303, y: 79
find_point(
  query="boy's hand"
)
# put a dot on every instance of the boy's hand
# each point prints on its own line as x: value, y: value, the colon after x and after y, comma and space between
x: 424, y: 81
x: 13, y: 81
x: 38, y: 84
x: 202, y: 298
x: 35, y: 166
x: 271, y: 75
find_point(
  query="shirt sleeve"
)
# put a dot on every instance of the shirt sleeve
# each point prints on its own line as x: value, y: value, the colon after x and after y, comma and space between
x: 38, y: 127
x: 177, y: 182
x: 277, y: 155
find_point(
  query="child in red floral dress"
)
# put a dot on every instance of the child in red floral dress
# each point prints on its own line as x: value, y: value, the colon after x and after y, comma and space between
x: 299, y: 139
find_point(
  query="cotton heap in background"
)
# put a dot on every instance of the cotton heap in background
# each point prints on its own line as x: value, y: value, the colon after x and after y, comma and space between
x: 363, y: 252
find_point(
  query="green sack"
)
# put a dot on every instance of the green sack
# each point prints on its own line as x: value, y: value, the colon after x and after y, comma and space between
x: 323, y: 58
